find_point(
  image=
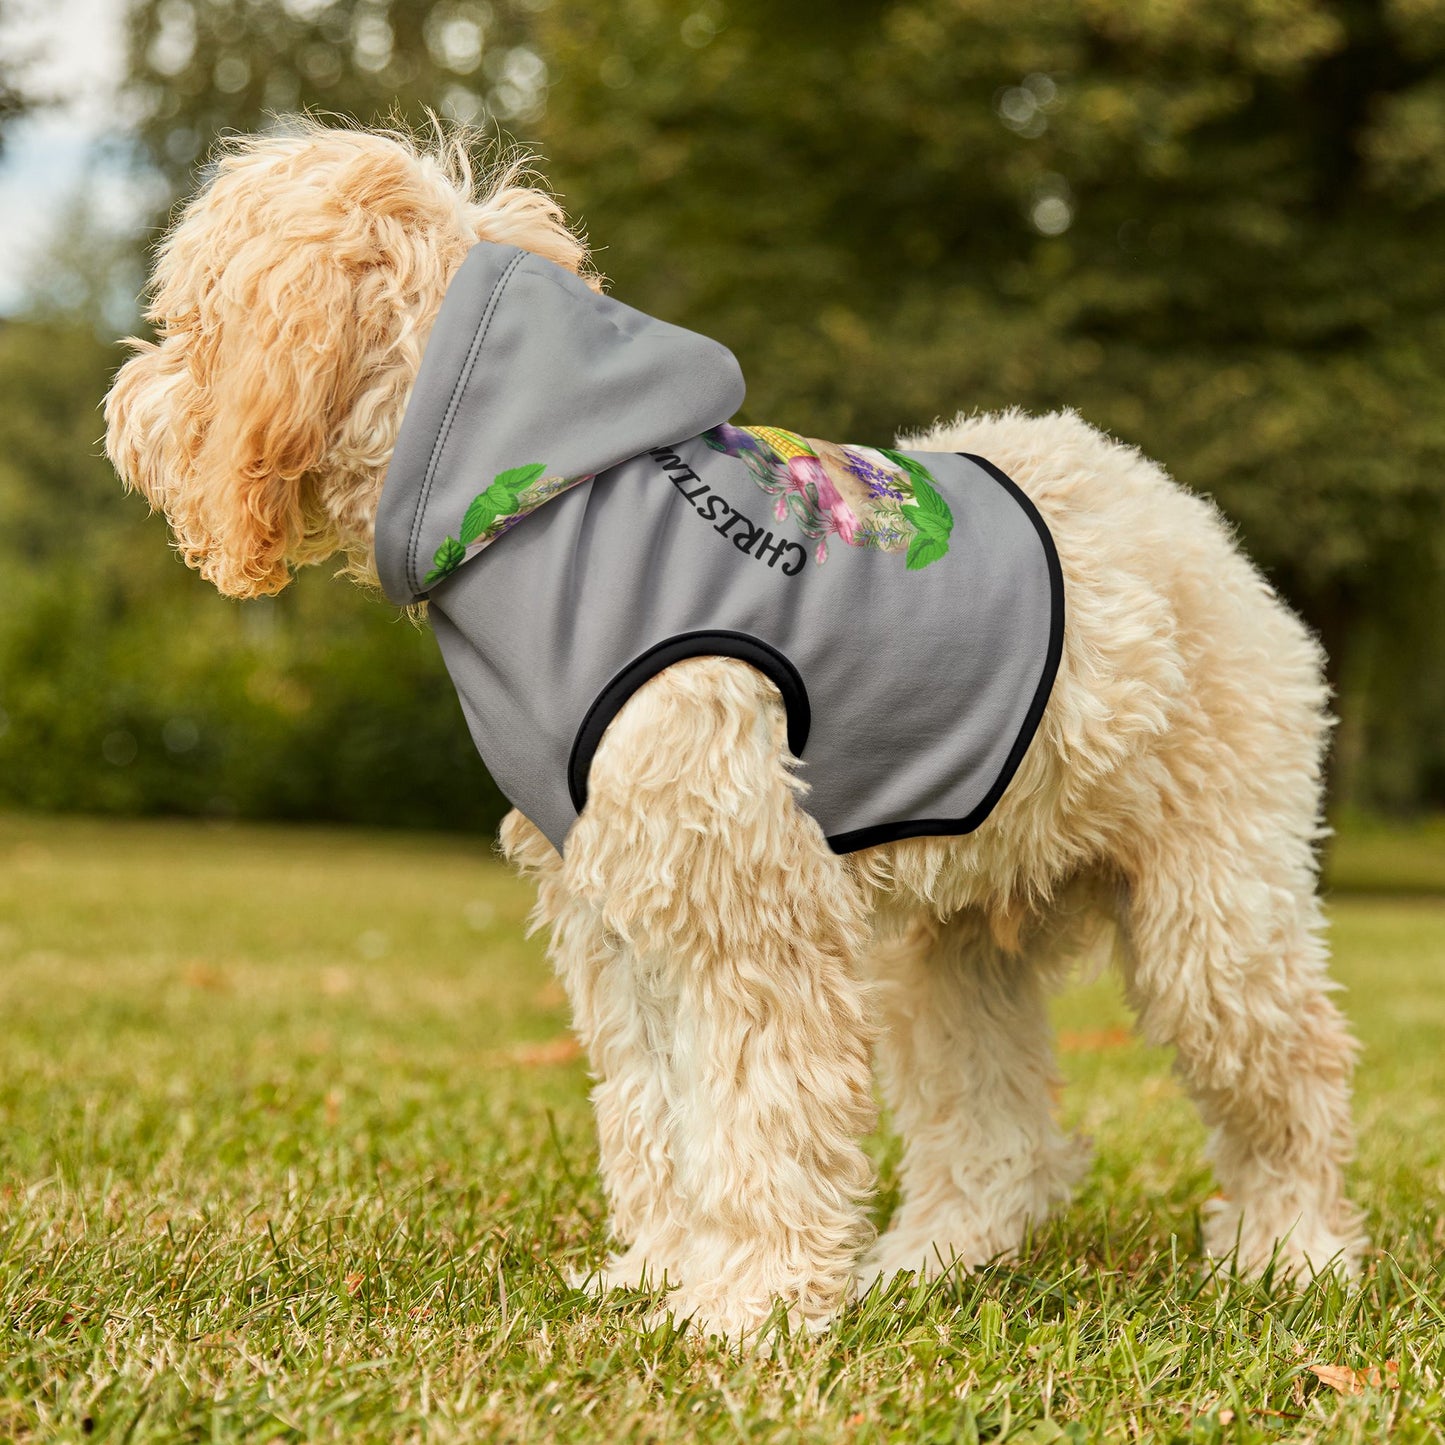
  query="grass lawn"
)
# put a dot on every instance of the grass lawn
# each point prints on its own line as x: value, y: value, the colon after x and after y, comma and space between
x: 293, y: 1146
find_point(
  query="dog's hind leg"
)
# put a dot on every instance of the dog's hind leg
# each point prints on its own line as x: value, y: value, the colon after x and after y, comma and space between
x: 695, y: 855
x: 966, y: 1060
x: 1225, y: 961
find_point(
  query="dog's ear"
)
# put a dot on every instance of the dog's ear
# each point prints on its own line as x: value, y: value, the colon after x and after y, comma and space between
x: 143, y: 413
x: 279, y: 285
x: 221, y: 423
x: 276, y: 354
x: 292, y: 300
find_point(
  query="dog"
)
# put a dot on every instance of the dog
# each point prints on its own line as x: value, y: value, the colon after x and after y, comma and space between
x: 731, y: 975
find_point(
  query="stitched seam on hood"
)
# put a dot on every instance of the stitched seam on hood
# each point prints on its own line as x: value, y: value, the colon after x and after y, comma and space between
x: 483, y: 326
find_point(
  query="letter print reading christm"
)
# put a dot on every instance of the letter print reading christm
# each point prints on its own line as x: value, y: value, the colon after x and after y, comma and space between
x: 753, y: 539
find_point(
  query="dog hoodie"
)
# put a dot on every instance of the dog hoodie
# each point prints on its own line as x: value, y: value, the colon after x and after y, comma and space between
x: 570, y: 496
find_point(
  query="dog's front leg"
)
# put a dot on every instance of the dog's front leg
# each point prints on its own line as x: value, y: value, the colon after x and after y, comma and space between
x: 622, y: 1012
x: 741, y: 929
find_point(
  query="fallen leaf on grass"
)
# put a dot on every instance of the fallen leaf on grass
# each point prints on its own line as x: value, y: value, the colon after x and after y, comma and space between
x: 1347, y: 1381
x: 335, y: 982
x: 551, y: 995
x: 554, y: 1051
x: 354, y: 1283
x: 202, y: 975
x: 1093, y: 1042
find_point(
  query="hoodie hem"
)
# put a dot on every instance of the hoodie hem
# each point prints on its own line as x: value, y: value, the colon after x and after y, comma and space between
x: 873, y: 837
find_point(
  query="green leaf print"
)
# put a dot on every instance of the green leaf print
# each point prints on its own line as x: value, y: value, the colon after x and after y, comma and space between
x: 448, y: 558
x: 925, y: 549
x: 501, y: 499
x: 483, y: 512
x: 931, y: 516
x: 518, y: 479
x: 917, y: 472
x: 933, y: 523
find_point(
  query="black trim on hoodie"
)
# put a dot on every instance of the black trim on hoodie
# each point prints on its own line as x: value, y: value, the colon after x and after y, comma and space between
x: 776, y: 667
x: 952, y: 827
x: 609, y: 702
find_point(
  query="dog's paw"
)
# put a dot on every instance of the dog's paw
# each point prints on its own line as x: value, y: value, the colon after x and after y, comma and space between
x: 757, y: 1325
x: 1298, y: 1245
x: 958, y: 1242
x: 898, y: 1253
x: 966, y: 1228
x: 633, y: 1270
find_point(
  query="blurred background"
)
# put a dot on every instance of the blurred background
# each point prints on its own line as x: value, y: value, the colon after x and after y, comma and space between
x: 1214, y: 227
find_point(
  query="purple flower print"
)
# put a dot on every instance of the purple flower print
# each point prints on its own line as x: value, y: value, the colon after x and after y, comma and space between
x: 733, y: 440
x: 881, y: 481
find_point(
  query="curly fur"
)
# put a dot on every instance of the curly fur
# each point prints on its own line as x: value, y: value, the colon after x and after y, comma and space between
x: 729, y: 975
x: 291, y: 301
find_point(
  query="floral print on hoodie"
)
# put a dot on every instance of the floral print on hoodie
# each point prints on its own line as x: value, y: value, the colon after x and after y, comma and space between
x: 864, y: 496
x: 511, y: 496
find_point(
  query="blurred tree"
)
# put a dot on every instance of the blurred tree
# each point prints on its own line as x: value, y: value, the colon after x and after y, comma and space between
x: 202, y: 67
x: 15, y: 97
x: 1217, y: 229
x: 127, y: 685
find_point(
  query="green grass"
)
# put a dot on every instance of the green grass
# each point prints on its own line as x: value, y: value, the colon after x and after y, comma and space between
x: 284, y: 1155
x: 1373, y: 856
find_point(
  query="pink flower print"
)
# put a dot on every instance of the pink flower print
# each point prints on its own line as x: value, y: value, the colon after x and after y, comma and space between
x: 871, y: 498
x: 802, y: 471
x: 843, y: 520
x: 838, y: 516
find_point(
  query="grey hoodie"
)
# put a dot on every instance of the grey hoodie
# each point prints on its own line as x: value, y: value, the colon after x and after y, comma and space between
x: 566, y: 492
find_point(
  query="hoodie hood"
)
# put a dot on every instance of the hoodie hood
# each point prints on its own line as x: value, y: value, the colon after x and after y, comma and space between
x: 531, y: 381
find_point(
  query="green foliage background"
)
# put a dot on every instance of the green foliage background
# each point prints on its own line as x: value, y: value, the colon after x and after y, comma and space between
x: 1215, y: 228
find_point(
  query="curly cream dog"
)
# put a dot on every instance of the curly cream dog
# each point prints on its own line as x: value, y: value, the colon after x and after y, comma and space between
x: 730, y: 975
